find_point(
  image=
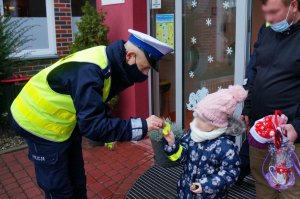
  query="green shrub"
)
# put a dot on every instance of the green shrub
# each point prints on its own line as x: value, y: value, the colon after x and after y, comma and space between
x: 91, y: 29
x: 12, y: 41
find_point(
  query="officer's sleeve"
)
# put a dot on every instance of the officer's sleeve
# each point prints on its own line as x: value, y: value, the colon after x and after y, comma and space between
x: 92, y: 119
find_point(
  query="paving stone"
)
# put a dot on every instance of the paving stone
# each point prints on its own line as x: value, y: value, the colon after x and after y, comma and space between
x: 110, y: 174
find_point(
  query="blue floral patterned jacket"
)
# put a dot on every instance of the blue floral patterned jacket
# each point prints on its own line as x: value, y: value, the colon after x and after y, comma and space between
x: 213, y: 163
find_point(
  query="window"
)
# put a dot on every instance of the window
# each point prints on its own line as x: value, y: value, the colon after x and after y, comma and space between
x: 162, y: 27
x: 77, y: 5
x: 77, y: 12
x: 1, y: 8
x: 40, y: 16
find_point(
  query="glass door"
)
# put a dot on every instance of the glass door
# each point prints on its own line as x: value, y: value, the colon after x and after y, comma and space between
x: 162, y: 27
x: 209, y: 35
x: 257, y: 20
x: 210, y: 52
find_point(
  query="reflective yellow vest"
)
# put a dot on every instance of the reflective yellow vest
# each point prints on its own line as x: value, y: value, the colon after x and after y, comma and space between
x: 48, y: 114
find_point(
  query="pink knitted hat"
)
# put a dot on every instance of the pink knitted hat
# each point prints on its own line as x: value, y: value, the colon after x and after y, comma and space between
x: 216, y: 107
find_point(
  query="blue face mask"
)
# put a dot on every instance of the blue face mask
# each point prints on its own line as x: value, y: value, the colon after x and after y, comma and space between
x: 282, y: 25
x: 134, y: 74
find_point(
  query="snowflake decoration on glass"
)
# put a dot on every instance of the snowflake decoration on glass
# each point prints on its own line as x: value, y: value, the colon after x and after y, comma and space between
x: 194, y: 3
x: 226, y: 5
x: 229, y: 50
x: 210, y: 59
x: 194, y: 98
x: 208, y: 21
x: 194, y: 40
x: 191, y: 74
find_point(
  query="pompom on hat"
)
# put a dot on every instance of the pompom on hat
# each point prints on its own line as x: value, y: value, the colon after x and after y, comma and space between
x: 216, y: 107
x: 153, y: 49
x: 263, y: 130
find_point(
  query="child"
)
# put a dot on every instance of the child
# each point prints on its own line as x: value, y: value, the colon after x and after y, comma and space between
x: 208, y: 150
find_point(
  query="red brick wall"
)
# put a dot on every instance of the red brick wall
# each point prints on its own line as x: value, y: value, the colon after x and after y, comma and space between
x: 30, y: 68
x: 63, y: 26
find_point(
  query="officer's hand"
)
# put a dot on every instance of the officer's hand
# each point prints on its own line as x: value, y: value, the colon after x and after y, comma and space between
x: 154, y: 123
x: 291, y: 132
x: 245, y: 119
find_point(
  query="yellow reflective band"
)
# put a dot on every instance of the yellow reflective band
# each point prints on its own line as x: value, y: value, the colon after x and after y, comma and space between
x: 177, y: 155
x: 106, y: 89
x: 48, y: 107
x: 37, y: 121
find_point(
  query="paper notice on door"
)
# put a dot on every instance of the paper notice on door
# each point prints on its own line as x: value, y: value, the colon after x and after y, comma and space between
x: 165, y: 28
x: 156, y: 4
x: 1, y: 8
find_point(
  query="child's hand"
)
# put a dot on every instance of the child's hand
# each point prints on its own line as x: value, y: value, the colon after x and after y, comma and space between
x: 166, y: 130
x: 170, y: 138
x: 196, y: 187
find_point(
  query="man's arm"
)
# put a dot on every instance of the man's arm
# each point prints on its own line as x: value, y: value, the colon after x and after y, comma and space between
x: 293, y: 128
x: 250, y: 75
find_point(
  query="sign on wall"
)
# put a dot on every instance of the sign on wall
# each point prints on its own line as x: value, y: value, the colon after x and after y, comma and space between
x: 165, y: 28
x: 110, y: 2
x: 156, y: 4
x: 1, y: 8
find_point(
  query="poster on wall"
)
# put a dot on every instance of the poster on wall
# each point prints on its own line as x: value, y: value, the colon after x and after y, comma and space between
x: 156, y: 4
x: 165, y: 28
x: 1, y: 8
x: 110, y: 2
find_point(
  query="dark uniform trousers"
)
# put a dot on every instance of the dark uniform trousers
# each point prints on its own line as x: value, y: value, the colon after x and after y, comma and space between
x: 59, y: 167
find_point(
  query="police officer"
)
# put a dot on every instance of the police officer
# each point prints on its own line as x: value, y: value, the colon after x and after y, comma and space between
x: 66, y: 101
